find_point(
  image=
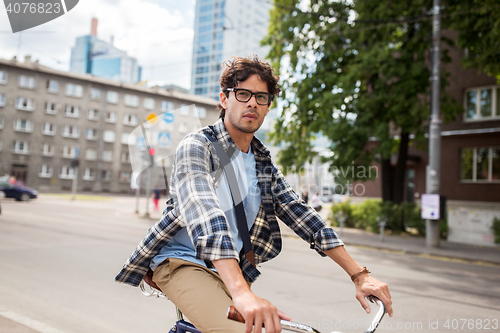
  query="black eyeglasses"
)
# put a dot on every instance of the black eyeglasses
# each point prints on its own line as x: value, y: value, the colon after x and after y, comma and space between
x: 244, y: 95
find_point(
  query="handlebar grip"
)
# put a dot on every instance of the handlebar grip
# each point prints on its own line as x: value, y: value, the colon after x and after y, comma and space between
x: 233, y: 314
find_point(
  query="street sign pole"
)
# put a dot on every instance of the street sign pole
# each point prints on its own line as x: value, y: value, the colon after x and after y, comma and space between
x: 433, y: 173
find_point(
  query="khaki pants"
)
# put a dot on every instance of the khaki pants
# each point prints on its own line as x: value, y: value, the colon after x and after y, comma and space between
x: 199, y: 293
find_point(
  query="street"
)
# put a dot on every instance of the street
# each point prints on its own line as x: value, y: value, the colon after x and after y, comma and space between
x: 59, y: 259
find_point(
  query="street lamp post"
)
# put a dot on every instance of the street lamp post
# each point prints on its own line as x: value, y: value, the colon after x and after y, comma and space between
x: 433, y: 173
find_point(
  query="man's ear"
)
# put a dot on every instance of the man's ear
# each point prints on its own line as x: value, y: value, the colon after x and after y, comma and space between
x: 223, y: 99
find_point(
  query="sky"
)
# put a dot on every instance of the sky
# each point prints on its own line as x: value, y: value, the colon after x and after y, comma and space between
x: 159, y: 33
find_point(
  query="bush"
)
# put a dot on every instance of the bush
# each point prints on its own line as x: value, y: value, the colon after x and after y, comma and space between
x: 342, y: 209
x: 495, y: 227
x: 367, y: 214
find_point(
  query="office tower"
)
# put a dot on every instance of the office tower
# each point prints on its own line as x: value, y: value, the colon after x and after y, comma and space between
x: 225, y: 28
x: 100, y: 58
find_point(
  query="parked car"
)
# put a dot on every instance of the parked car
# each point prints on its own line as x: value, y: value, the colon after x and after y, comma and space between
x: 20, y: 193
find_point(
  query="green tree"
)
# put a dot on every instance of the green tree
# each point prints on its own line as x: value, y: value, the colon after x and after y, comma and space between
x: 477, y: 23
x: 358, y: 73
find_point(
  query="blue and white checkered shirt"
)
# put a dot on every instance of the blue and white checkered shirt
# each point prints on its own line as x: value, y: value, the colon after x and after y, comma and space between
x: 193, y: 203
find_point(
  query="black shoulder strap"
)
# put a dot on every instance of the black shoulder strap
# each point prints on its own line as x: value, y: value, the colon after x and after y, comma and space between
x: 241, y: 219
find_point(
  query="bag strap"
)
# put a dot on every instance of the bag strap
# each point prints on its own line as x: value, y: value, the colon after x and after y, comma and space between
x: 241, y: 219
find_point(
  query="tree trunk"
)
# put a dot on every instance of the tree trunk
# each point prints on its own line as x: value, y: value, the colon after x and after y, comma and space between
x: 399, y: 181
x: 387, y: 188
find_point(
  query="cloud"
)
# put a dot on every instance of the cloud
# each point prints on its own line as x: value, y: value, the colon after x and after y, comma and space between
x: 158, y: 35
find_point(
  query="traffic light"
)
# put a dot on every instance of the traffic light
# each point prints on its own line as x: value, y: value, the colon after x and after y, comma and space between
x: 75, y: 163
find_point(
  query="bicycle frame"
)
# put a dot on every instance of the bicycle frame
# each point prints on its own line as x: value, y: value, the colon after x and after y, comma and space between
x: 182, y: 326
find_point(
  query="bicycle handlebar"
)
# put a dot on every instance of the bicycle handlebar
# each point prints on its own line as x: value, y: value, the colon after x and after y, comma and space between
x: 233, y: 314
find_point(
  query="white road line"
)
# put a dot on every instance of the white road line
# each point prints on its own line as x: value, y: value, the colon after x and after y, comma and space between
x: 63, y: 2
x: 31, y: 323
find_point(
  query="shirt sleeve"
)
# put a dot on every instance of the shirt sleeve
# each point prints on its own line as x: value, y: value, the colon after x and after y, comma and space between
x: 199, y: 206
x: 300, y: 217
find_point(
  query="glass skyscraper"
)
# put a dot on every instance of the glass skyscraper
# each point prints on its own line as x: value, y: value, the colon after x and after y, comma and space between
x: 225, y: 28
x: 97, y: 57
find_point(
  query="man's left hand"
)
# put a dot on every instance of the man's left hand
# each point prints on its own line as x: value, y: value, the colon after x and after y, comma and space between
x: 366, y: 286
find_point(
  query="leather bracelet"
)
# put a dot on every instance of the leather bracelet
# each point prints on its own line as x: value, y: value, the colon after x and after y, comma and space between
x: 364, y: 271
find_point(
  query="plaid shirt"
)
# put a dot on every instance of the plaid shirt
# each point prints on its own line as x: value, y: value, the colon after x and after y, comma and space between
x: 193, y: 204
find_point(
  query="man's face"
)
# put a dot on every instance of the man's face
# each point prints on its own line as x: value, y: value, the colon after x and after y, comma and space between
x: 245, y: 117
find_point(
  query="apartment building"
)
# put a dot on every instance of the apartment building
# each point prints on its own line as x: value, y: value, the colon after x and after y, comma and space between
x: 49, y: 118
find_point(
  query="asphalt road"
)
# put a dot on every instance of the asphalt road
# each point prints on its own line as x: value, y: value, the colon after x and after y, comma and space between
x: 58, y: 259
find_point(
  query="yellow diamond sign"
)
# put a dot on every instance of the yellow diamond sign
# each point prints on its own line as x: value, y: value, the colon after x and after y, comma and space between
x: 151, y: 117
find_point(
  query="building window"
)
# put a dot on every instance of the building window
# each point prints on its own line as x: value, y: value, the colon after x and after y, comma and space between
x: 26, y: 104
x: 201, y: 91
x: 131, y: 100
x: 48, y: 129
x: 26, y: 81
x: 1, y: 122
x: 48, y: 149
x: 2, y: 100
x: 130, y: 119
x: 112, y: 97
x: 23, y: 125
x: 20, y: 147
x: 109, y: 136
x: 149, y: 103
x: 67, y: 172
x: 3, y: 77
x: 106, y: 175
x: 72, y: 111
x: 184, y: 110
x: 93, y: 114
x: 166, y: 106
x: 52, y: 86
x: 70, y: 132
x: 94, y: 93
x: 125, y: 177
x: 480, y: 164
x: 90, y: 154
x: 482, y: 103
x: 69, y: 152
x: 74, y: 90
x: 110, y: 117
x: 107, y: 155
x: 125, y: 138
x: 45, y: 171
x: 50, y: 108
x: 91, y: 134
x: 88, y: 174
x: 125, y: 157
x: 200, y: 113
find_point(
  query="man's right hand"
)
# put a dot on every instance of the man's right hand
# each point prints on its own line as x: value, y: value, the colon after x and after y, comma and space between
x: 257, y: 311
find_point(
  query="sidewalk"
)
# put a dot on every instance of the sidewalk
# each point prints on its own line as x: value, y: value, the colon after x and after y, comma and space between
x: 411, y: 244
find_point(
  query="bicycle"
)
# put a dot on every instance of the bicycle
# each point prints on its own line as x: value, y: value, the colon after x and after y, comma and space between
x: 182, y: 326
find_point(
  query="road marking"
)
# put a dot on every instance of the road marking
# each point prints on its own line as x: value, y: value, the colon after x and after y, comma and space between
x: 31, y: 323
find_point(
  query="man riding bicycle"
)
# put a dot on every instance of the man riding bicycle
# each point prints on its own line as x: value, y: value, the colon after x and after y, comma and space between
x: 197, y: 254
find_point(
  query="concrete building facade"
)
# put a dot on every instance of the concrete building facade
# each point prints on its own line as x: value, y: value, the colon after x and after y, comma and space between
x: 48, y: 117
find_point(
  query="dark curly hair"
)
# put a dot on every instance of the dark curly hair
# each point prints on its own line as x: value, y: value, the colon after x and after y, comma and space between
x: 238, y: 69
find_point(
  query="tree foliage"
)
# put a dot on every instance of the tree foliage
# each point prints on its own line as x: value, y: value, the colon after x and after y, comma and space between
x: 478, y: 25
x: 356, y: 72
